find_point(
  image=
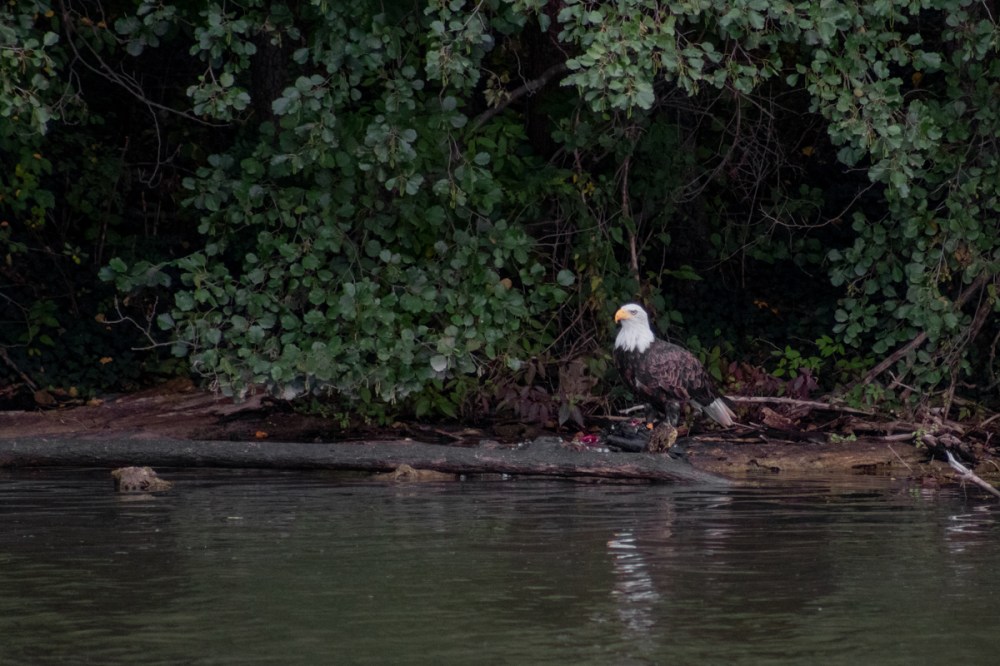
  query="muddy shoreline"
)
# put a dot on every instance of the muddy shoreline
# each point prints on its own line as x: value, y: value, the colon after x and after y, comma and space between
x: 179, y: 412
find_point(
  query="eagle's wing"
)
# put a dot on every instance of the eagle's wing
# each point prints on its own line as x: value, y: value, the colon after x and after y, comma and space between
x: 675, y: 374
x: 666, y: 374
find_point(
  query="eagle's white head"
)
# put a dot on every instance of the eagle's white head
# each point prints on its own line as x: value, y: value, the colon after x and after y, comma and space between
x: 635, y: 335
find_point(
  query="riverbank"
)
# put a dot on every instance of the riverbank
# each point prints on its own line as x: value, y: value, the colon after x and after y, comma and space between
x: 177, y: 411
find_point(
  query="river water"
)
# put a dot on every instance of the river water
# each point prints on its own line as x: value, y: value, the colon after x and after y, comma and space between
x: 282, y: 568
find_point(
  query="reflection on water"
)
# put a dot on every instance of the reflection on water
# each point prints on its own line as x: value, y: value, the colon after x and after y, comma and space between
x: 295, y: 568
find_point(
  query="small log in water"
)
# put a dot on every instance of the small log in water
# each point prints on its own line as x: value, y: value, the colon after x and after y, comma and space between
x: 378, y: 456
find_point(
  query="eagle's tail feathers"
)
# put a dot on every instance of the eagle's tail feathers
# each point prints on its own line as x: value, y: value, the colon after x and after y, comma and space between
x: 720, y: 412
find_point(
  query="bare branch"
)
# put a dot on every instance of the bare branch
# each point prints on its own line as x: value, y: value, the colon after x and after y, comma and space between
x: 146, y: 330
x: 529, y: 87
x: 815, y: 404
x: 13, y: 366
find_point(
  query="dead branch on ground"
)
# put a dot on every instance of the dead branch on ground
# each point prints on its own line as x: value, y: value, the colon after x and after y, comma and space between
x: 814, y: 404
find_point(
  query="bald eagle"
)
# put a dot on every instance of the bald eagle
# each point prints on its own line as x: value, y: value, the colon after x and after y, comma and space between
x: 663, y: 373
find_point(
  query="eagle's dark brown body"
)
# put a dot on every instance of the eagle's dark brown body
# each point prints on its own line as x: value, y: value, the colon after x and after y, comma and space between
x: 665, y: 373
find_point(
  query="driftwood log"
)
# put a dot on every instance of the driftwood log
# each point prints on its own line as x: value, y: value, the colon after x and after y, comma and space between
x: 380, y: 456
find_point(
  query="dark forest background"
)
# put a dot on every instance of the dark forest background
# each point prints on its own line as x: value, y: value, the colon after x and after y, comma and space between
x: 433, y: 209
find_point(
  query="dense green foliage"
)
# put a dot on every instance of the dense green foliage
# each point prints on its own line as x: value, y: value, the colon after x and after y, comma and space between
x: 432, y: 206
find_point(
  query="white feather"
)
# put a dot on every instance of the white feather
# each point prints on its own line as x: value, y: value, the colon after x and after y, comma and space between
x: 719, y: 412
x: 635, y: 334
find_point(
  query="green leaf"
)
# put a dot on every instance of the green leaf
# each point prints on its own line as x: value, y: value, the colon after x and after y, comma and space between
x: 280, y: 106
x: 184, y: 301
x: 439, y: 363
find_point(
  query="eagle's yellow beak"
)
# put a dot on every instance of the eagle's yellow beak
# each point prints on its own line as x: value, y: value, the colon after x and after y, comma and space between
x: 622, y: 314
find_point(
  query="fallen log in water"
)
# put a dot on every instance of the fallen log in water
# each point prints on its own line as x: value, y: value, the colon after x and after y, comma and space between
x: 377, y: 456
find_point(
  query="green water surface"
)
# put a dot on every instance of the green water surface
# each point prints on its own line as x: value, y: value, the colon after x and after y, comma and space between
x: 280, y: 568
